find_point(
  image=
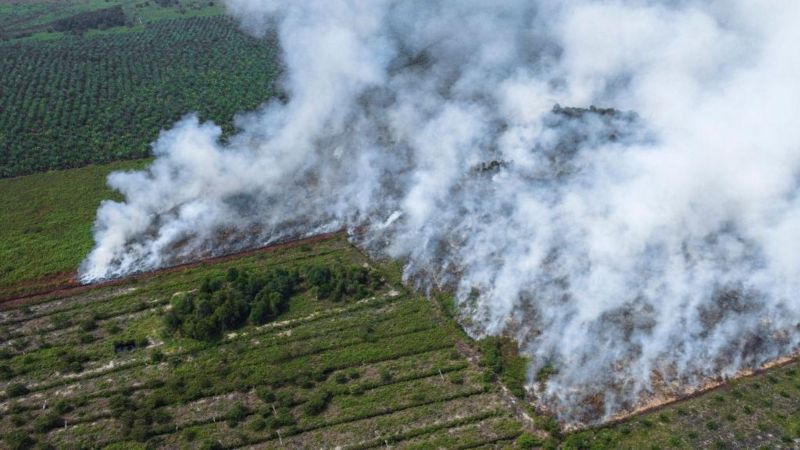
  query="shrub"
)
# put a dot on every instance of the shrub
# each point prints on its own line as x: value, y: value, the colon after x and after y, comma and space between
x: 265, y: 394
x: 190, y: 435
x: 711, y: 425
x: 47, y: 422
x: 19, y: 420
x: 283, y: 417
x: 6, y: 373
x: 340, y: 378
x: 457, y: 378
x: 285, y: 398
x: 88, y: 325
x: 317, y: 403
x: 19, y: 440
x: 237, y: 414
x: 16, y: 390
x: 258, y: 424
x: 157, y: 357
x: 528, y: 441
x: 63, y: 406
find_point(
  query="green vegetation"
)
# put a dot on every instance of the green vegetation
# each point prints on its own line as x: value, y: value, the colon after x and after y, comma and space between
x: 20, y: 19
x: 226, y: 304
x: 372, y: 366
x: 47, y: 225
x: 501, y: 357
x: 754, y: 412
x: 81, y: 100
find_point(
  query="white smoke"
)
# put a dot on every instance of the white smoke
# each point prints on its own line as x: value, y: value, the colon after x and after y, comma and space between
x: 633, y: 251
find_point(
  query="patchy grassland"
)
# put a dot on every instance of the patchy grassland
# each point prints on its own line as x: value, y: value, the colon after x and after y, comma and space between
x: 757, y: 412
x: 100, y: 369
x: 46, y: 225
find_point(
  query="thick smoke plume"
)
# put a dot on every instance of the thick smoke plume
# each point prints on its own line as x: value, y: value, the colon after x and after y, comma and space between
x: 639, y: 249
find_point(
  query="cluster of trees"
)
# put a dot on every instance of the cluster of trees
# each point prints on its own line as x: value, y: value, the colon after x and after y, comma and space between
x: 222, y: 305
x: 240, y: 298
x: 98, y: 19
x: 340, y: 282
x: 83, y: 100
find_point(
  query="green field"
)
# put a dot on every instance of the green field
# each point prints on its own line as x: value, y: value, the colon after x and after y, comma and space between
x: 100, y: 369
x: 106, y: 94
x: 47, y: 225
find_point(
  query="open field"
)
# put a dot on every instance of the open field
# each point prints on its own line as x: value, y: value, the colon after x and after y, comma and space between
x: 47, y: 220
x: 105, y: 95
x: 100, y: 369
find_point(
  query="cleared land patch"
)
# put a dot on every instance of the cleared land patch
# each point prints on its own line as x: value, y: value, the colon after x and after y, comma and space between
x: 363, y: 370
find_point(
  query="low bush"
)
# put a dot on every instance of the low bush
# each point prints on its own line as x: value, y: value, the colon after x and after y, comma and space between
x: 236, y: 415
x: 16, y: 390
x: 317, y: 403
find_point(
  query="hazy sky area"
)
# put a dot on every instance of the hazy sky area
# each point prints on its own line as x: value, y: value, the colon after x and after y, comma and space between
x: 653, y: 243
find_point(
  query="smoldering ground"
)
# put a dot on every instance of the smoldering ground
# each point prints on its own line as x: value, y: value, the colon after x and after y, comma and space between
x: 636, y: 249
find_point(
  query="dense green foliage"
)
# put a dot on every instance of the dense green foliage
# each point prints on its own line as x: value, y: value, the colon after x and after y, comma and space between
x: 98, y: 19
x: 80, y: 100
x: 225, y: 304
x: 339, y: 282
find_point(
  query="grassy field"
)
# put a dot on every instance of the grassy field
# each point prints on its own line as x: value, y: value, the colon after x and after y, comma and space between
x: 47, y: 220
x: 388, y: 369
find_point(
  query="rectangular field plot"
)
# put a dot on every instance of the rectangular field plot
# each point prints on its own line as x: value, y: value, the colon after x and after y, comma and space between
x: 338, y: 366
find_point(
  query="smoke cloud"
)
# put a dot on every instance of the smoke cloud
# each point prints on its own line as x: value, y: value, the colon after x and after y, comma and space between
x: 638, y: 250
